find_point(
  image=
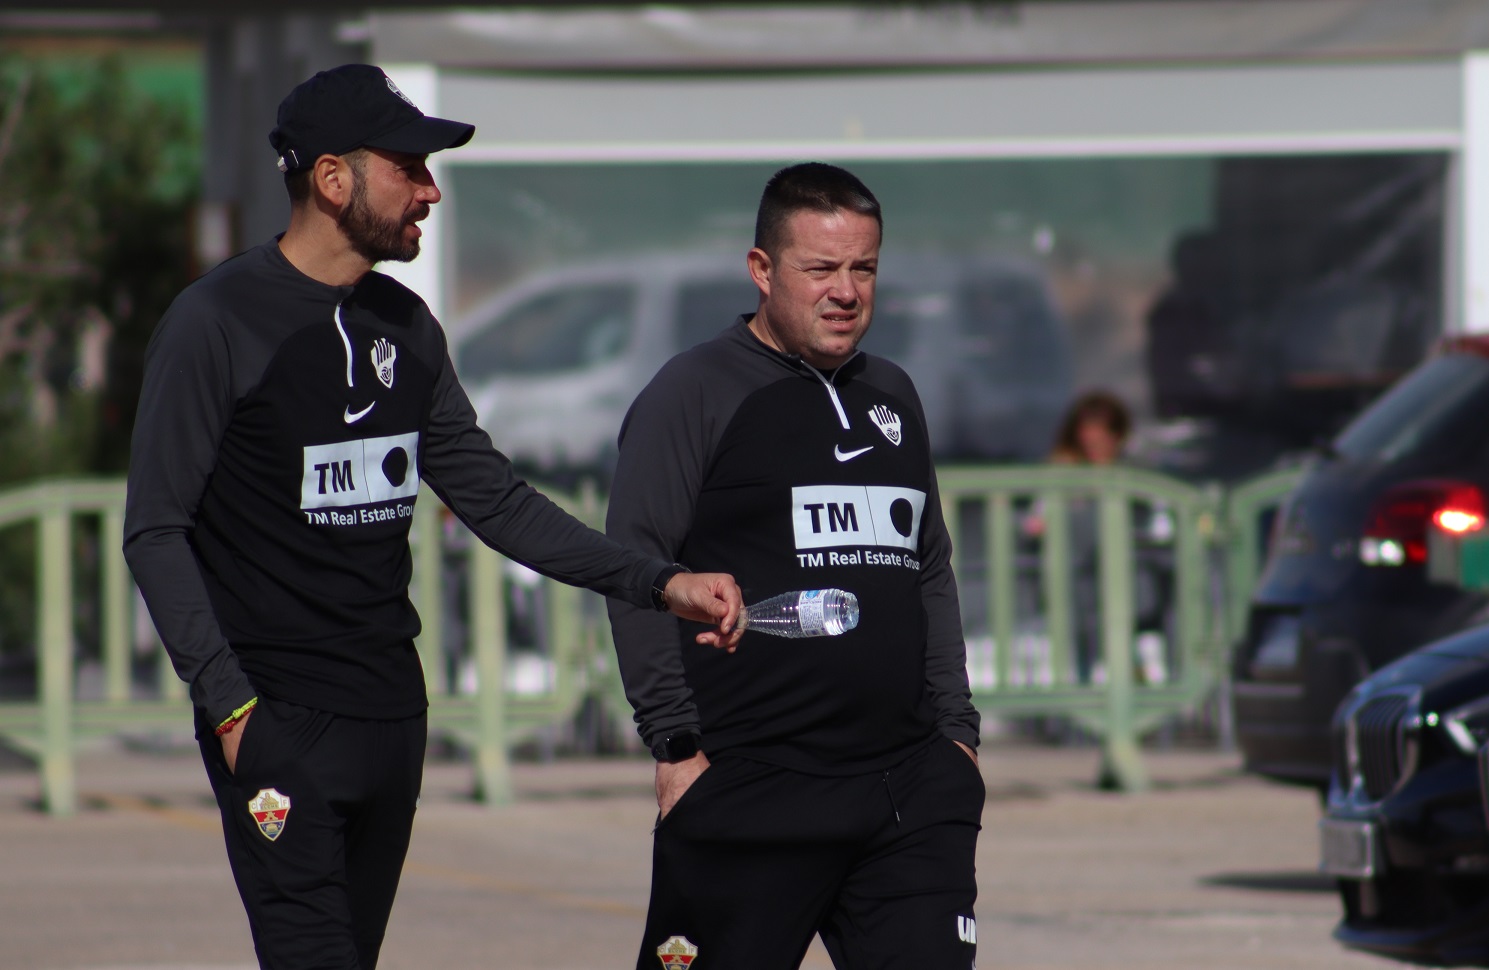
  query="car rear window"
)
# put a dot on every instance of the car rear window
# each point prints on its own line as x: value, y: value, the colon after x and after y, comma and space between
x: 704, y: 310
x: 1011, y: 330
x: 557, y: 331
x: 1441, y: 403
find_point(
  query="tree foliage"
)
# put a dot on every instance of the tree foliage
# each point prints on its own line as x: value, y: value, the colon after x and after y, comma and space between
x: 97, y: 186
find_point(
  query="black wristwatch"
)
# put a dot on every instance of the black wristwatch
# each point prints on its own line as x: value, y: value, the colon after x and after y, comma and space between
x: 659, y: 585
x: 676, y: 747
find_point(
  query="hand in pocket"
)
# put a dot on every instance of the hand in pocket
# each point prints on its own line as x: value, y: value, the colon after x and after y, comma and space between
x: 231, y: 740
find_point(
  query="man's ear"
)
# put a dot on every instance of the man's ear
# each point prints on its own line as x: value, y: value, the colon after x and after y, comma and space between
x: 333, y: 179
x: 760, y: 267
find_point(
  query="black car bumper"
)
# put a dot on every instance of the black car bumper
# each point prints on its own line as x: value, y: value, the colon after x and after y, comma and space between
x: 1428, y: 902
x: 1281, y: 733
x: 1283, y: 715
x: 1456, y: 935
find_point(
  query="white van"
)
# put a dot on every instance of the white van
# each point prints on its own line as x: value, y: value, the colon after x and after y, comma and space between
x: 553, y: 362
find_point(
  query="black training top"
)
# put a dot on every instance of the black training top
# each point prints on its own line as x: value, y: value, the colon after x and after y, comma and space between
x: 283, y: 427
x: 739, y: 458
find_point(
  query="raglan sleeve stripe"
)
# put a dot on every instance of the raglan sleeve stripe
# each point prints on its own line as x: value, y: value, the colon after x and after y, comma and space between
x: 186, y: 401
x: 663, y: 448
x: 946, y: 648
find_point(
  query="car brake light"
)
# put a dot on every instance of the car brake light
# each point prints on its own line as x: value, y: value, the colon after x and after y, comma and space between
x: 1458, y: 520
x: 1475, y: 344
x: 1396, y: 531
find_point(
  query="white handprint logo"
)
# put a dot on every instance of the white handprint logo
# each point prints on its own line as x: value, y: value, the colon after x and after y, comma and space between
x: 888, y: 422
x: 383, y: 355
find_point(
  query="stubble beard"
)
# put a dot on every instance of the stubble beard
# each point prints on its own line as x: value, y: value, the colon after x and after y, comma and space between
x: 373, y: 237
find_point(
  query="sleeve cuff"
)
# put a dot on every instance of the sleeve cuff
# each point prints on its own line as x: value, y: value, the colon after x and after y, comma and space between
x: 963, y: 734
x: 220, y: 689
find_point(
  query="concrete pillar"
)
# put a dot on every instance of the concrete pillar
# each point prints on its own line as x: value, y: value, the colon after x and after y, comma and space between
x: 425, y: 275
x: 1473, y: 183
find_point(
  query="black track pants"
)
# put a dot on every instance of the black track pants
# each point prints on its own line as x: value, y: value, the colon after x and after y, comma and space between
x: 319, y: 891
x: 754, y: 859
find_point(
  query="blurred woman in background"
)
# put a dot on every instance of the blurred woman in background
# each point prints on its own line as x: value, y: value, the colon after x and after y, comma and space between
x: 1093, y: 431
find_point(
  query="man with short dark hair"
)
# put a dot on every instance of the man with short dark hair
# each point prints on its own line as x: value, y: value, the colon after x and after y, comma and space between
x: 293, y: 400
x: 825, y: 786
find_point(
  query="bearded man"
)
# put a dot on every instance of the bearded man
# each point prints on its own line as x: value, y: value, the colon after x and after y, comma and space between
x: 293, y: 400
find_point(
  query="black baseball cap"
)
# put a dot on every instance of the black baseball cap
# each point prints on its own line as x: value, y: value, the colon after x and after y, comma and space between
x: 356, y: 106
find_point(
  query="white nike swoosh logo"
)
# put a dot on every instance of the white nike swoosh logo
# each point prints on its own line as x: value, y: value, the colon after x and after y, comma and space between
x: 841, y: 455
x: 352, y: 417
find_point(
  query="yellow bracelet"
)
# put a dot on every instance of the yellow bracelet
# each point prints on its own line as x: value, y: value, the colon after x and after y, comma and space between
x: 235, y: 717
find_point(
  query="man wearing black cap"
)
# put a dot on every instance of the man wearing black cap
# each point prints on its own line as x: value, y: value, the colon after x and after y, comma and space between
x: 293, y: 399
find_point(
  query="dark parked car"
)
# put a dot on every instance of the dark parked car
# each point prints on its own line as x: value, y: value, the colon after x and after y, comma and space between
x: 1405, y: 828
x: 1345, y: 589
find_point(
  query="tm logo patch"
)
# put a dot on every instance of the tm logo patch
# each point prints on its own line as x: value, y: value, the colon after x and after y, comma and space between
x: 360, y: 472
x: 827, y: 516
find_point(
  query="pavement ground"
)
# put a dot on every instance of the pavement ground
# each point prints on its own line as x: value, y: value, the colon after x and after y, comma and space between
x: 1210, y: 869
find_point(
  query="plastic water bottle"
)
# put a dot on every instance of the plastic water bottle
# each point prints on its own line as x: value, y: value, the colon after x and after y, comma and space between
x: 803, y: 613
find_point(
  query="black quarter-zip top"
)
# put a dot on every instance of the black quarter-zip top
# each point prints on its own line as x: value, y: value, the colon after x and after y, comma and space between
x: 284, y: 427
x: 791, y: 478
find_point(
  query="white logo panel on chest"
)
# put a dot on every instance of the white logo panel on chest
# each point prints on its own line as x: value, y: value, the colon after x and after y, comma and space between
x: 824, y: 516
x: 360, y: 472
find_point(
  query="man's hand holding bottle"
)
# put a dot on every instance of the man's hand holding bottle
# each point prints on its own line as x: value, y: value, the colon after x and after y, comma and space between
x: 712, y: 598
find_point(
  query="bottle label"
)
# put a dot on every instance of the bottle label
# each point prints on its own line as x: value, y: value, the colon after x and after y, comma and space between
x: 811, y: 612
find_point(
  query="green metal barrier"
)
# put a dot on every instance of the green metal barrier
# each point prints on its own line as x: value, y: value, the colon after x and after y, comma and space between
x: 1047, y: 559
x: 47, y: 726
x: 1052, y: 565
x: 489, y: 722
x: 51, y: 725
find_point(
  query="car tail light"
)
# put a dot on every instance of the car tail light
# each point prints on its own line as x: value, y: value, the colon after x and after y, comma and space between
x: 1475, y: 344
x: 1396, y: 531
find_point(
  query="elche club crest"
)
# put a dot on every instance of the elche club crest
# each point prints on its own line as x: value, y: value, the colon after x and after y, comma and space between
x: 677, y: 953
x: 270, y: 809
x: 888, y: 422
